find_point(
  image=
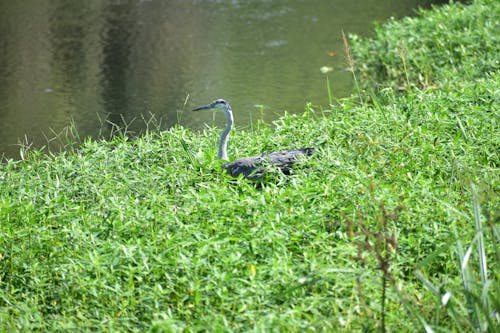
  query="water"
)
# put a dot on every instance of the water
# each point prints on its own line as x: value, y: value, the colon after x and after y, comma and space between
x: 98, y: 63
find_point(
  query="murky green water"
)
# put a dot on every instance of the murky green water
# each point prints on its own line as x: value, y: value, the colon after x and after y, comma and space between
x: 102, y: 62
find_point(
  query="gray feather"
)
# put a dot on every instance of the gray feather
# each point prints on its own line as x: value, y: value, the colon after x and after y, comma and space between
x: 254, y: 167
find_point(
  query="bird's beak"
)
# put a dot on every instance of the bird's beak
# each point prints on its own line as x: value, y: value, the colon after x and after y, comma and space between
x: 204, y: 107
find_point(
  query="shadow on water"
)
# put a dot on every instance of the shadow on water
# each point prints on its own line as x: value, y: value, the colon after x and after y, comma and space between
x: 105, y: 64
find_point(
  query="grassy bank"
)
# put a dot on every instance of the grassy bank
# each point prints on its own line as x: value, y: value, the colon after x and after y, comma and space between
x: 373, y: 232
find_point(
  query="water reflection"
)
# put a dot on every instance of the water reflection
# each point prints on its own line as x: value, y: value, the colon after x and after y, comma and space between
x: 101, y: 63
x: 117, y: 43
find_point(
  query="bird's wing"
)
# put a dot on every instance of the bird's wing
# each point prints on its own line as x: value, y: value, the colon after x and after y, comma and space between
x: 284, y: 159
x: 255, y: 166
x: 250, y: 167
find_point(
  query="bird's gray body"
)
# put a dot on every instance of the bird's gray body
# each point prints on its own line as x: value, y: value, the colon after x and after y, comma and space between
x: 252, y: 167
x: 255, y: 166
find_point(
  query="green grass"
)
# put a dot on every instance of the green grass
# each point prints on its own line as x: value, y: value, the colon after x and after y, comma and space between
x: 370, y: 234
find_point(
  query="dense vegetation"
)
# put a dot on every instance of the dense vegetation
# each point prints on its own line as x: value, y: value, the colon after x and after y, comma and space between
x: 392, y: 225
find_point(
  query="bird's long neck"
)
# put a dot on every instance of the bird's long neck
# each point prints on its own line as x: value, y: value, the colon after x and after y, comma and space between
x: 224, y: 138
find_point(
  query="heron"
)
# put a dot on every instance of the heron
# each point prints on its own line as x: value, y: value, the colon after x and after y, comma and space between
x: 251, y: 167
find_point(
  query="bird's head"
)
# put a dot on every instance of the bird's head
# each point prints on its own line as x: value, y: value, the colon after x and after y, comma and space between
x: 218, y: 104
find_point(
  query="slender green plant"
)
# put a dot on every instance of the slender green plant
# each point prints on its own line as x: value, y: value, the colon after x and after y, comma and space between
x: 351, y: 66
x: 480, y: 292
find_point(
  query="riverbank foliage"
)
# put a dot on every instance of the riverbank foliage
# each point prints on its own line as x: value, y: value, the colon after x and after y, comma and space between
x: 391, y: 225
